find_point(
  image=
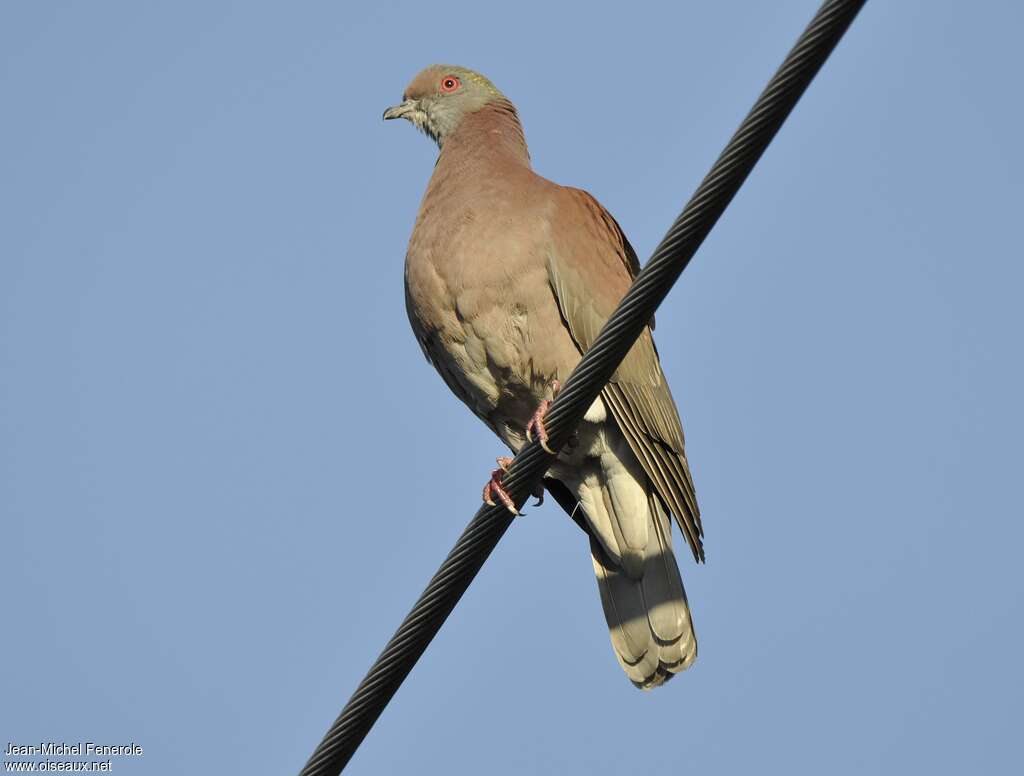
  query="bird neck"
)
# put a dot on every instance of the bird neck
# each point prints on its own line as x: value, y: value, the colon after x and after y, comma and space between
x: 492, y: 134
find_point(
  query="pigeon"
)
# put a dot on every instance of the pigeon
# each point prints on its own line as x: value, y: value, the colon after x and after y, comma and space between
x: 508, y: 279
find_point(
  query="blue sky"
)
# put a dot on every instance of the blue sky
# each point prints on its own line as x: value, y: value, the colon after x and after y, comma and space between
x: 226, y: 470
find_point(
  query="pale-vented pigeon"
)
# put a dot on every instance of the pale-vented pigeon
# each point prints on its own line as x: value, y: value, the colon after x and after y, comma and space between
x: 508, y: 279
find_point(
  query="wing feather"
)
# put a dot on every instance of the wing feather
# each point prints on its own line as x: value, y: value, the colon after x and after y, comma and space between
x: 590, y: 267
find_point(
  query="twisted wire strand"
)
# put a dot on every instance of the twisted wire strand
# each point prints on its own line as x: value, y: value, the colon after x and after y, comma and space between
x: 651, y: 286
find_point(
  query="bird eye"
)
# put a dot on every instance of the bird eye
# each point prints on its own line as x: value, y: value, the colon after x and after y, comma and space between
x: 449, y: 83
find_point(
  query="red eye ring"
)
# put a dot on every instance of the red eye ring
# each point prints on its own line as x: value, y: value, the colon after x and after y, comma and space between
x: 449, y: 84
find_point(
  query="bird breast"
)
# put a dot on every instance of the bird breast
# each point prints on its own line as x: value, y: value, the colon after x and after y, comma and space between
x: 481, y: 304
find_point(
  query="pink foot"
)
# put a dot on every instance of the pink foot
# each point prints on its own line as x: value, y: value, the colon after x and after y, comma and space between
x: 537, y: 421
x: 494, y: 486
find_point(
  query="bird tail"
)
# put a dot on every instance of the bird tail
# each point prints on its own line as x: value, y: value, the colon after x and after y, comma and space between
x: 648, y: 615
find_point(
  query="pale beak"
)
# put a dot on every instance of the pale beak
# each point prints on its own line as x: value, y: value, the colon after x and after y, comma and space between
x: 399, y: 111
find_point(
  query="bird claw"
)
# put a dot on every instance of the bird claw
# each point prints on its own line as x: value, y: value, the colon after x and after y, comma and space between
x: 495, y: 487
x: 537, y: 421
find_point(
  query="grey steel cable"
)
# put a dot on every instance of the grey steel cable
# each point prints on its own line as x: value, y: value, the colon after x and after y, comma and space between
x: 585, y: 383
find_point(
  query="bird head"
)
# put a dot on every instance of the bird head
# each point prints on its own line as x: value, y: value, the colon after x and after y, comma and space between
x: 441, y: 96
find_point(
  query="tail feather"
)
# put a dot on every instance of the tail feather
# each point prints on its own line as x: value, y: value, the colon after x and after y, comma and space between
x: 627, y: 619
x: 630, y: 532
x: 648, y: 618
